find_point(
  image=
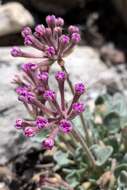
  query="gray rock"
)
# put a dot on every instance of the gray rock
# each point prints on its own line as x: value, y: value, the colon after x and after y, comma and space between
x: 13, y: 18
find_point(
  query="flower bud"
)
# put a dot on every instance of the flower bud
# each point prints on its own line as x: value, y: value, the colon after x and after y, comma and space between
x: 58, y: 30
x: 59, y: 21
x: 16, y: 51
x: 41, y: 122
x: 43, y: 76
x: 49, y: 95
x: 29, y: 131
x: 29, y: 67
x: 50, y: 20
x: 65, y: 126
x: 79, y: 88
x: 27, y: 97
x: 64, y: 39
x: 78, y: 107
x: 50, y: 52
x: 60, y: 76
x: 73, y: 29
x: 19, y: 124
x: 75, y: 38
x: 40, y: 30
x: 26, y: 31
x: 48, y: 143
x: 28, y: 40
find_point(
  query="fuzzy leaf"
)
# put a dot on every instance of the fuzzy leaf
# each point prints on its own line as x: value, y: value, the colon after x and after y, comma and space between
x: 112, y: 122
x: 61, y: 158
x: 101, y: 154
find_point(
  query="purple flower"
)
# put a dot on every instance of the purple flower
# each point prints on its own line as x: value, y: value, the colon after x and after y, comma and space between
x: 49, y: 95
x: 29, y: 131
x: 41, y: 122
x: 50, y: 20
x: 50, y: 52
x: 48, y: 143
x: 19, y: 124
x: 26, y: 31
x: 59, y: 21
x: 75, y: 38
x: 16, y: 51
x: 78, y: 107
x: 65, y: 126
x: 60, y: 76
x: 40, y: 30
x: 29, y: 67
x: 64, y: 40
x: 73, y: 29
x: 43, y: 76
x: 79, y: 88
x: 27, y: 97
x: 28, y: 40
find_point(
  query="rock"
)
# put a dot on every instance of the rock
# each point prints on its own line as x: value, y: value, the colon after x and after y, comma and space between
x: 13, y: 18
x: 83, y: 64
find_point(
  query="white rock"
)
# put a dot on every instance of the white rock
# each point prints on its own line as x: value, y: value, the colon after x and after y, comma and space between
x: 14, y: 17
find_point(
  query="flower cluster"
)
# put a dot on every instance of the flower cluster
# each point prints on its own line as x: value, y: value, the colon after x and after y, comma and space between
x: 50, y: 112
x: 50, y: 41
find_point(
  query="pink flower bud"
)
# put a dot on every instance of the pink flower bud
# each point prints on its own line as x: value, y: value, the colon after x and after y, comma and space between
x: 50, y: 52
x: 16, y: 51
x: 48, y: 143
x: 79, y: 88
x: 50, y: 20
x: 26, y: 31
x: 78, y: 107
x: 75, y: 38
x: 41, y: 122
x: 64, y: 39
x: 49, y: 95
x: 29, y: 67
x: 27, y: 97
x: 65, y: 126
x: 19, y: 124
x: 59, y: 21
x: 29, y: 132
x: 40, y: 30
x: 28, y: 40
x: 73, y: 29
x: 58, y: 30
x: 43, y: 76
x: 60, y: 76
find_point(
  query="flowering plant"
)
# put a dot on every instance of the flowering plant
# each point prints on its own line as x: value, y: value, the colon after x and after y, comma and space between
x: 92, y: 147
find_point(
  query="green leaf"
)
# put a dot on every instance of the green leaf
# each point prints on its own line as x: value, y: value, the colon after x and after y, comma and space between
x: 61, y: 158
x: 40, y: 136
x: 112, y: 122
x: 119, y: 168
x: 122, y: 180
x: 102, y: 154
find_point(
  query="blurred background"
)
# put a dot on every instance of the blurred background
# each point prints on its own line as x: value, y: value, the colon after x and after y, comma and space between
x: 99, y: 60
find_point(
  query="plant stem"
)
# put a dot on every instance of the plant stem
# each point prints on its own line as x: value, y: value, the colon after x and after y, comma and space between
x: 81, y: 116
x: 85, y: 147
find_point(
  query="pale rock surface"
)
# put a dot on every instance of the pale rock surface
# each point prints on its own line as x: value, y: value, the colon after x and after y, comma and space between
x: 14, y: 17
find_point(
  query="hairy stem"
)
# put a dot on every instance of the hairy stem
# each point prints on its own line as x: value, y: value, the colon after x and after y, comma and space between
x: 85, y: 147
